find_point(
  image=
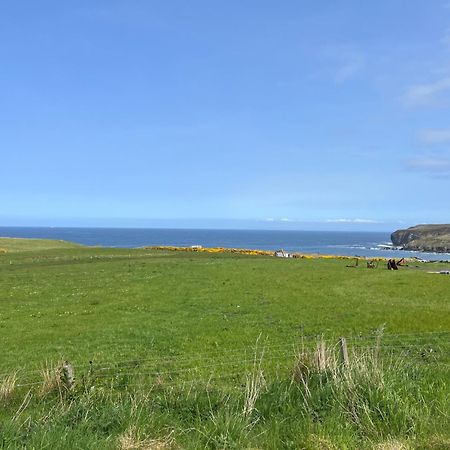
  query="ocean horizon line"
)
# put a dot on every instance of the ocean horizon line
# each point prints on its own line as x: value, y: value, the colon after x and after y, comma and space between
x: 112, y: 227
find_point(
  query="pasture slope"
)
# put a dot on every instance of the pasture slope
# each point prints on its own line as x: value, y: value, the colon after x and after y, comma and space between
x: 218, y: 350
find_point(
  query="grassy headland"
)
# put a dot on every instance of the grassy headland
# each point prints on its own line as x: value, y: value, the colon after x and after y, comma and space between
x: 163, y: 346
x: 32, y: 245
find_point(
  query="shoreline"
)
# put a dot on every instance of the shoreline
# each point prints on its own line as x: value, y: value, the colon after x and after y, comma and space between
x: 256, y: 252
x: 366, y: 251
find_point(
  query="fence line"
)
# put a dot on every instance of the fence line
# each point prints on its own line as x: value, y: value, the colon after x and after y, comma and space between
x: 277, y: 348
x: 279, y: 356
x: 158, y: 361
x: 302, y: 341
x: 166, y: 359
x: 187, y: 369
x: 182, y: 382
x: 287, y: 350
x: 280, y: 351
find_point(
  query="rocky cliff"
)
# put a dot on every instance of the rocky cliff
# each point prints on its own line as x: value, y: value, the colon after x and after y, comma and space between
x: 427, y: 238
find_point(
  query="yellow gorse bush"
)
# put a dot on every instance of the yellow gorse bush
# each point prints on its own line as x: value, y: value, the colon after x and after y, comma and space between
x: 242, y: 251
x: 253, y: 252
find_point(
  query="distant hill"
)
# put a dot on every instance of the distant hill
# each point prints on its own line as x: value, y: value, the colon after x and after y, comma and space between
x: 428, y: 238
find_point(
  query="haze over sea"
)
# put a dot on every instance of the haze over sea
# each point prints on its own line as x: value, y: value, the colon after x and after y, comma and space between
x: 349, y: 243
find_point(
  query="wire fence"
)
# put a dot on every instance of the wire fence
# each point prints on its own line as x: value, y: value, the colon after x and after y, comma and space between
x: 403, y: 341
x: 427, y: 348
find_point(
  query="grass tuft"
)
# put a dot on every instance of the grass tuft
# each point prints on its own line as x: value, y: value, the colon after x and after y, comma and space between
x: 391, y: 445
x: 7, y: 387
x: 437, y: 442
x: 51, y: 380
x: 255, y: 383
x: 132, y: 440
x: 316, y: 442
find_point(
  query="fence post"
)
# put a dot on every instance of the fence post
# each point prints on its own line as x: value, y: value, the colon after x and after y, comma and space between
x: 344, y: 351
x: 67, y: 376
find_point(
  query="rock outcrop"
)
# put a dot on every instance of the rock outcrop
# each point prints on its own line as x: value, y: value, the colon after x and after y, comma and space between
x: 425, y: 238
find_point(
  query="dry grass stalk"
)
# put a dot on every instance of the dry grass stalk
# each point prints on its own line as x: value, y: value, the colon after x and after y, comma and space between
x: 320, y: 443
x: 7, y: 387
x: 438, y: 442
x: 23, y: 406
x: 378, y: 338
x: 131, y: 440
x: 391, y: 445
x: 321, y: 355
x: 303, y: 366
x: 52, y: 382
x: 159, y: 381
x: 253, y: 387
x: 254, y: 384
x: 308, y: 362
x: 365, y: 366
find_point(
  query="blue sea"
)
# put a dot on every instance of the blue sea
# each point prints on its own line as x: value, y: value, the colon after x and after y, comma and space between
x: 348, y: 243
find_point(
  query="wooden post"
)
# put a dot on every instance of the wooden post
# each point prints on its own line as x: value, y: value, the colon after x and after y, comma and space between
x: 67, y: 375
x: 344, y: 351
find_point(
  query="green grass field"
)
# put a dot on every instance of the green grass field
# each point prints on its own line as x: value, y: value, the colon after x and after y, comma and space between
x: 163, y: 343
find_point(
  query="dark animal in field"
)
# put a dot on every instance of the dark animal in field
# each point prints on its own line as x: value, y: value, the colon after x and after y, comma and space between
x: 392, y: 265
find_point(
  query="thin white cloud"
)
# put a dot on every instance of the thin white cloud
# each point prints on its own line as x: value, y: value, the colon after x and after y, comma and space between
x: 426, y: 94
x: 435, y: 135
x: 351, y: 221
x: 429, y: 165
x: 283, y: 219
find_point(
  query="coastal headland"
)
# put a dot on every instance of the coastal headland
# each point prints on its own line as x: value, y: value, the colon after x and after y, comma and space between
x: 425, y: 238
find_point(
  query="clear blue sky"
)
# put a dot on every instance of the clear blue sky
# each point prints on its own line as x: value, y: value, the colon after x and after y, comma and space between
x: 253, y: 113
